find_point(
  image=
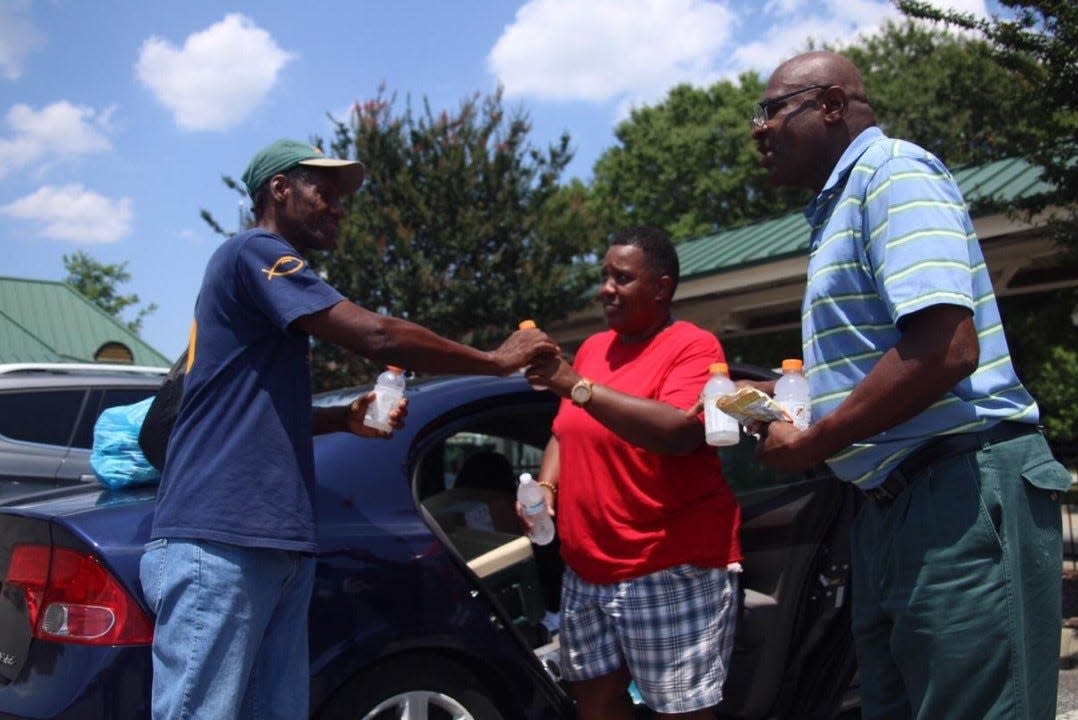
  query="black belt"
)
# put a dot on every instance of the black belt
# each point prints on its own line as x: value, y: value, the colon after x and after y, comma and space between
x: 945, y: 446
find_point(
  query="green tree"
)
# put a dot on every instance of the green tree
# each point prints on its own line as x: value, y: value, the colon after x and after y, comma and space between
x: 244, y: 217
x: 462, y: 225
x: 688, y: 164
x: 1044, y: 347
x: 949, y: 94
x: 1039, y: 44
x: 99, y: 282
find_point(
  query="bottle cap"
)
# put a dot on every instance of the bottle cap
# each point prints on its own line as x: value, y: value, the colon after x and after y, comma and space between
x: 792, y: 365
x: 526, y: 478
x: 394, y: 368
x: 527, y: 325
x: 717, y: 368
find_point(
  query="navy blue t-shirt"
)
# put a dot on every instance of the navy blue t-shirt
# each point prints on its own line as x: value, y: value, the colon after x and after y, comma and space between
x: 240, y: 465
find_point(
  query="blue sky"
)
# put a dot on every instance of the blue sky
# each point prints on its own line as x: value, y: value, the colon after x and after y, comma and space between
x: 119, y: 117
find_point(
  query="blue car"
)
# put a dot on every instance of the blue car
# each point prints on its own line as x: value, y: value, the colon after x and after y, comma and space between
x: 428, y: 601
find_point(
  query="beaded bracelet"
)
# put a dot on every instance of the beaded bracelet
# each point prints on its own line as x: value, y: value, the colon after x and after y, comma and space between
x: 551, y: 487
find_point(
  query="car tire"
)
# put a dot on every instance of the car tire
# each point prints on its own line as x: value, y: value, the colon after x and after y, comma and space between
x: 440, y: 687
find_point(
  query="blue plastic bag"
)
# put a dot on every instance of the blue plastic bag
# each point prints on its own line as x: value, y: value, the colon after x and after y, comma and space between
x: 117, y: 459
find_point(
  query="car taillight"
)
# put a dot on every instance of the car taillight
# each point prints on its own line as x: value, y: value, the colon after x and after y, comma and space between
x: 71, y: 597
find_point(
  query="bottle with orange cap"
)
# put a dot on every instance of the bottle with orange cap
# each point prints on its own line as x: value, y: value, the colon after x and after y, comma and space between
x: 530, y: 325
x: 720, y: 429
x: 792, y: 393
x: 389, y: 389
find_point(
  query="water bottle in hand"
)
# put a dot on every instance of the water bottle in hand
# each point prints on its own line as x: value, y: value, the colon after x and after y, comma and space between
x: 530, y: 325
x: 720, y: 429
x: 388, y: 393
x: 792, y: 393
x: 531, y: 497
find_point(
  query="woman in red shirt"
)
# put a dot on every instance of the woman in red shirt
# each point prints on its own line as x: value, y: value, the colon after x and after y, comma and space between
x: 648, y: 524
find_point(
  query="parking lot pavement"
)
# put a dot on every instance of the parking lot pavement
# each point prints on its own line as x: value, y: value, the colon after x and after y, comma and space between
x: 1067, y: 704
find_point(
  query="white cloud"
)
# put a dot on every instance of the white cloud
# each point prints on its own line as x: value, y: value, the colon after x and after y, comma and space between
x: 218, y: 78
x: 18, y: 37
x: 835, y: 22
x: 603, y: 50
x: 74, y: 214
x: 58, y: 132
x: 630, y: 52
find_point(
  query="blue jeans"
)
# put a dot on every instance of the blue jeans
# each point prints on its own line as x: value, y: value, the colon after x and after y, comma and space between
x: 231, y: 634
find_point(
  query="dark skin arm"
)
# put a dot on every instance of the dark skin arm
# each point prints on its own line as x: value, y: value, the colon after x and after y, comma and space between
x: 938, y: 349
x: 549, y: 472
x: 390, y: 340
x: 649, y: 424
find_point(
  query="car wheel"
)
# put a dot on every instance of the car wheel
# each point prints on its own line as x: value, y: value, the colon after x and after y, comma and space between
x: 431, y: 689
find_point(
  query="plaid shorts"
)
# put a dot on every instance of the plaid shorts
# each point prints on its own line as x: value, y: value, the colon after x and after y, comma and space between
x: 674, y: 629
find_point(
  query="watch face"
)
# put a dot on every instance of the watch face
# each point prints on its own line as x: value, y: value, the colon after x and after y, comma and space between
x: 581, y: 393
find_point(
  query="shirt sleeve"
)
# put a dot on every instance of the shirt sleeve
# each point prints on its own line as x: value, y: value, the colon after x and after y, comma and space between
x: 918, y: 235
x: 281, y: 282
x: 690, y: 371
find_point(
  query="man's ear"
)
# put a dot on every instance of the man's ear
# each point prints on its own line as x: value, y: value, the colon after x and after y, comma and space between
x: 278, y: 187
x: 834, y: 104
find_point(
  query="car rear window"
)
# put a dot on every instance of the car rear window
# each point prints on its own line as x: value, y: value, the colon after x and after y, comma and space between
x: 99, y: 401
x: 40, y: 416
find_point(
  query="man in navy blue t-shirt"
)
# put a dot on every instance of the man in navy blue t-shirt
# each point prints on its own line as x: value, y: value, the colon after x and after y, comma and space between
x: 230, y: 568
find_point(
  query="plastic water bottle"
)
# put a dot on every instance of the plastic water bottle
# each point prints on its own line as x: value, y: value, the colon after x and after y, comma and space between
x: 532, y: 498
x: 530, y: 325
x: 389, y: 389
x: 720, y: 429
x: 792, y: 393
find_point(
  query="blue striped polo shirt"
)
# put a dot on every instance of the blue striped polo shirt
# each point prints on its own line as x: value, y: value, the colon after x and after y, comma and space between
x: 891, y: 235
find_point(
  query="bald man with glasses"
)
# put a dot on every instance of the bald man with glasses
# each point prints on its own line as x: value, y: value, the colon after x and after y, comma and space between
x: 957, y: 549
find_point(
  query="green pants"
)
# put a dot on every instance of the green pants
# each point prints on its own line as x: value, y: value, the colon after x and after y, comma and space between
x: 957, y: 605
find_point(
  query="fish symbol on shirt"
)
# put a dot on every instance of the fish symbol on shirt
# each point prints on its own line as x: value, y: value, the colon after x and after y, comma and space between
x: 285, y: 265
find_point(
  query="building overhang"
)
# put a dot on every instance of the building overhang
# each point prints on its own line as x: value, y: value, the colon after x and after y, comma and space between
x: 765, y: 297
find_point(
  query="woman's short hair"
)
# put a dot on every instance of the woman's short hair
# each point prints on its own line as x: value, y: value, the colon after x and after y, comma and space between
x: 659, y: 251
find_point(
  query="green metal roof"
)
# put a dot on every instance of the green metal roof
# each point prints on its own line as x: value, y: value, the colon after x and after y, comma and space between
x: 48, y: 321
x: 985, y: 187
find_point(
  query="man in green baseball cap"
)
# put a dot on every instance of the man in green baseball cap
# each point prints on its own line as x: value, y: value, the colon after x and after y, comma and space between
x: 296, y: 192
x: 284, y: 154
x: 230, y: 569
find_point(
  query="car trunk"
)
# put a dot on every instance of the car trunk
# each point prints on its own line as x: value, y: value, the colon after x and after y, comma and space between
x: 68, y: 619
x: 15, y: 613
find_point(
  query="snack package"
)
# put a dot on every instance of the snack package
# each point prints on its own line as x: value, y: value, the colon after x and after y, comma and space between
x: 749, y: 405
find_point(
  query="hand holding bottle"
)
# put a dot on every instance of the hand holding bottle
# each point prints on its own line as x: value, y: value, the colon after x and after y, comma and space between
x: 357, y: 411
x: 530, y: 325
x: 532, y: 500
x: 522, y: 348
x: 388, y: 391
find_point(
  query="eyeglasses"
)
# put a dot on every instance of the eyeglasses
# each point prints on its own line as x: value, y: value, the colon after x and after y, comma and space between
x: 764, y: 109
